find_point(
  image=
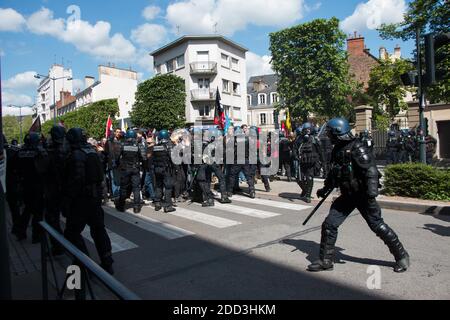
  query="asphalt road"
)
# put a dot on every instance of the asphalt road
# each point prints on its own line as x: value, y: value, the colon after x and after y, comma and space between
x: 258, y: 249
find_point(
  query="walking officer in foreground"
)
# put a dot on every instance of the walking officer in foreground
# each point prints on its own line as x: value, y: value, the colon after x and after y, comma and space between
x: 354, y: 171
x: 83, y: 197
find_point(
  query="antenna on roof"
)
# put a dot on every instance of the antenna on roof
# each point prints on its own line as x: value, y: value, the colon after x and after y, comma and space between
x: 178, y: 30
x: 215, y: 27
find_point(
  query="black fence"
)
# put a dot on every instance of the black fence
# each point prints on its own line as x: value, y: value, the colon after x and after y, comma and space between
x: 89, y: 269
x: 380, y: 138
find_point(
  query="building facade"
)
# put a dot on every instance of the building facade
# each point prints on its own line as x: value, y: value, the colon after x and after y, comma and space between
x: 47, y: 95
x: 112, y: 83
x: 207, y: 63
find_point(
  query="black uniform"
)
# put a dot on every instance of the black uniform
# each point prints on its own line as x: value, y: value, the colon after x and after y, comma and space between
x: 82, y: 200
x: 327, y: 148
x: 13, y: 186
x: 32, y: 165
x: 392, y: 149
x: 285, y: 156
x: 132, y: 155
x: 354, y: 171
x: 164, y: 170
x: 308, y: 153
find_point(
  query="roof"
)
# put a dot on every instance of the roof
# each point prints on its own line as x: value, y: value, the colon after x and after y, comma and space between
x: 269, y: 79
x: 197, y: 37
x: 96, y: 83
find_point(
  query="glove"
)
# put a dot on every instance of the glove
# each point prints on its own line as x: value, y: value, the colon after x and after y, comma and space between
x: 321, y: 193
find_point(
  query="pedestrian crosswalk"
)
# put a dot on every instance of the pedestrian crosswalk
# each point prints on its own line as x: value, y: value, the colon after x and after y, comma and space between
x: 221, y: 216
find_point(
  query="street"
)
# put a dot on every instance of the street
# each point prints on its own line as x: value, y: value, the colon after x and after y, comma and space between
x: 258, y: 249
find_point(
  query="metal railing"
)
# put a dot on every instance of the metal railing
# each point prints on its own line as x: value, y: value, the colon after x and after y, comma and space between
x: 203, y: 67
x: 203, y: 95
x: 87, y: 266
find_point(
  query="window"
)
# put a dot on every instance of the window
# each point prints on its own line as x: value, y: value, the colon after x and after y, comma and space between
x: 235, y: 64
x: 170, y: 65
x: 237, y: 113
x: 262, y: 98
x: 180, y: 61
x: 227, y: 110
x: 274, y: 97
x: 203, y: 83
x: 202, y: 56
x: 236, y: 88
x: 204, y: 111
x: 225, y: 60
x: 225, y: 85
x: 249, y: 100
x: 262, y: 118
x: 158, y: 69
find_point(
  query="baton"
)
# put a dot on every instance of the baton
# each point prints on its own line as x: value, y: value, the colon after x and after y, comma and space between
x: 317, y: 207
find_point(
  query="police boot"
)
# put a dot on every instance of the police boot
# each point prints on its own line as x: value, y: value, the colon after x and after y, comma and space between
x: 267, y: 186
x: 252, y: 194
x: 137, y: 210
x: 308, y: 192
x: 158, y: 206
x: 224, y: 198
x: 119, y: 207
x: 107, y: 262
x: 169, y: 209
x: 385, y: 233
x: 208, y: 203
x: 326, y: 256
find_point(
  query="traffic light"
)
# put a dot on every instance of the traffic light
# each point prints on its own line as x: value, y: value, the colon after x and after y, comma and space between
x: 434, y: 56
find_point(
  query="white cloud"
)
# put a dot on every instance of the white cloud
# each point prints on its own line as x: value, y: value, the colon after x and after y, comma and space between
x: 371, y: 14
x: 22, y: 81
x: 11, y: 20
x: 200, y: 16
x: 149, y: 35
x: 7, y: 111
x: 151, y: 12
x: 258, y: 65
x: 9, y: 98
x: 145, y: 61
x: 91, y: 39
x: 78, y: 84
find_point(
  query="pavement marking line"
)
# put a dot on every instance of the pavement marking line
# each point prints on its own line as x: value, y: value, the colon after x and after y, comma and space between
x: 214, y: 221
x: 251, y: 212
x: 271, y: 203
x: 118, y: 243
x: 162, y: 229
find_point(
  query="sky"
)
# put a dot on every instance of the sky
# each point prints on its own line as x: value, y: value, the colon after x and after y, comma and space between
x: 81, y: 34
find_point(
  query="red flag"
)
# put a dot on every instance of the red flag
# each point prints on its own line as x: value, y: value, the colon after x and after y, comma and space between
x: 219, y: 114
x: 36, y: 126
x: 109, y: 127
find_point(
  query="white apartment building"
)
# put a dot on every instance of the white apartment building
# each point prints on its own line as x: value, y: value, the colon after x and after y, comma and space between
x: 112, y: 83
x: 206, y: 63
x: 45, y: 92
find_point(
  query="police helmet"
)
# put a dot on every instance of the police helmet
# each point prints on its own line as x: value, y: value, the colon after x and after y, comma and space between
x: 339, y: 128
x: 298, y: 131
x: 131, y: 134
x: 76, y: 136
x: 58, y: 133
x: 163, y: 135
x: 306, y: 125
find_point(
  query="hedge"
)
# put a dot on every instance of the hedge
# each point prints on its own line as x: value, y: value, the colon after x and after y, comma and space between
x: 91, y: 118
x: 417, y: 181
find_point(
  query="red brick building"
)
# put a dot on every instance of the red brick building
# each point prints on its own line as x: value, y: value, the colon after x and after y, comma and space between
x: 360, y: 59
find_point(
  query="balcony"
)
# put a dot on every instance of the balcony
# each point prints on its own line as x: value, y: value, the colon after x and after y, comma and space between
x: 203, y: 95
x: 207, y: 67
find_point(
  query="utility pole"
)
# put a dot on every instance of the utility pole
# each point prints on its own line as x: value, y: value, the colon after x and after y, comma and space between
x: 421, y: 97
x: 5, y: 275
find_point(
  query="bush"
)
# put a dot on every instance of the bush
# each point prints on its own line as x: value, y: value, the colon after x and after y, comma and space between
x: 92, y: 118
x: 417, y: 181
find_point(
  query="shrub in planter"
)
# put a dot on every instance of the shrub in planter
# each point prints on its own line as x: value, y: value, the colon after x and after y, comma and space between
x: 417, y: 180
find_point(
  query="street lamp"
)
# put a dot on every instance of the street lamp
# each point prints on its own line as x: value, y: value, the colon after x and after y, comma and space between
x: 39, y: 76
x: 20, y: 116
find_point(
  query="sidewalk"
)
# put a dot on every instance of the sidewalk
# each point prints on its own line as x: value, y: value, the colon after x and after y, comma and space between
x: 291, y: 191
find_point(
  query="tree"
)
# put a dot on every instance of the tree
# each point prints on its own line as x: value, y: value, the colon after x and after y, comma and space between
x: 92, y: 118
x: 386, y: 89
x: 430, y: 16
x: 11, y: 127
x: 160, y: 103
x: 311, y: 63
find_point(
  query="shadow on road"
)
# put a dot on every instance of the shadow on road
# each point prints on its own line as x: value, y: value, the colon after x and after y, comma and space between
x: 290, y: 196
x: 438, y: 229
x: 311, y: 248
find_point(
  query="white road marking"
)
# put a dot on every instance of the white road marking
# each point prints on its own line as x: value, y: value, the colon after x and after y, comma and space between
x: 271, y: 203
x: 251, y: 212
x: 204, y: 218
x: 162, y: 229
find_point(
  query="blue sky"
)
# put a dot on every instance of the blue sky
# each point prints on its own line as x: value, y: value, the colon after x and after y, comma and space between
x: 37, y: 33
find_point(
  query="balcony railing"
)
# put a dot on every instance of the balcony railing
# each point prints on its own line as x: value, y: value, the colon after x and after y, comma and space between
x: 203, y: 95
x: 206, y: 67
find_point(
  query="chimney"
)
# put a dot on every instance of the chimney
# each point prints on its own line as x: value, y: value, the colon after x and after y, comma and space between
x: 383, y: 53
x: 397, y: 52
x: 355, y: 45
x: 88, y: 81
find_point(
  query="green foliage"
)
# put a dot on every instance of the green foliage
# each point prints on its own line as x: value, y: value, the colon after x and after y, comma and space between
x: 160, y: 103
x: 11, y: 127
x: 382, y: 122
x: 92, y: 118
x: 312, y: 68
x: 386, y: 88
x: 430, y: 16
x: 417, y: 181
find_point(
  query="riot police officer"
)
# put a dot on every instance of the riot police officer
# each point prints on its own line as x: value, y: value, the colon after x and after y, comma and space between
x: 307, y: 151
x: 366, y: 139
x: 163, y: 169
x: 32, y: 164
x: 131, y: 157
x: 392, y: 148
x: 354, y: 171
x: 83, y: 197
x: 327, y: 148
x: 285, y: 155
